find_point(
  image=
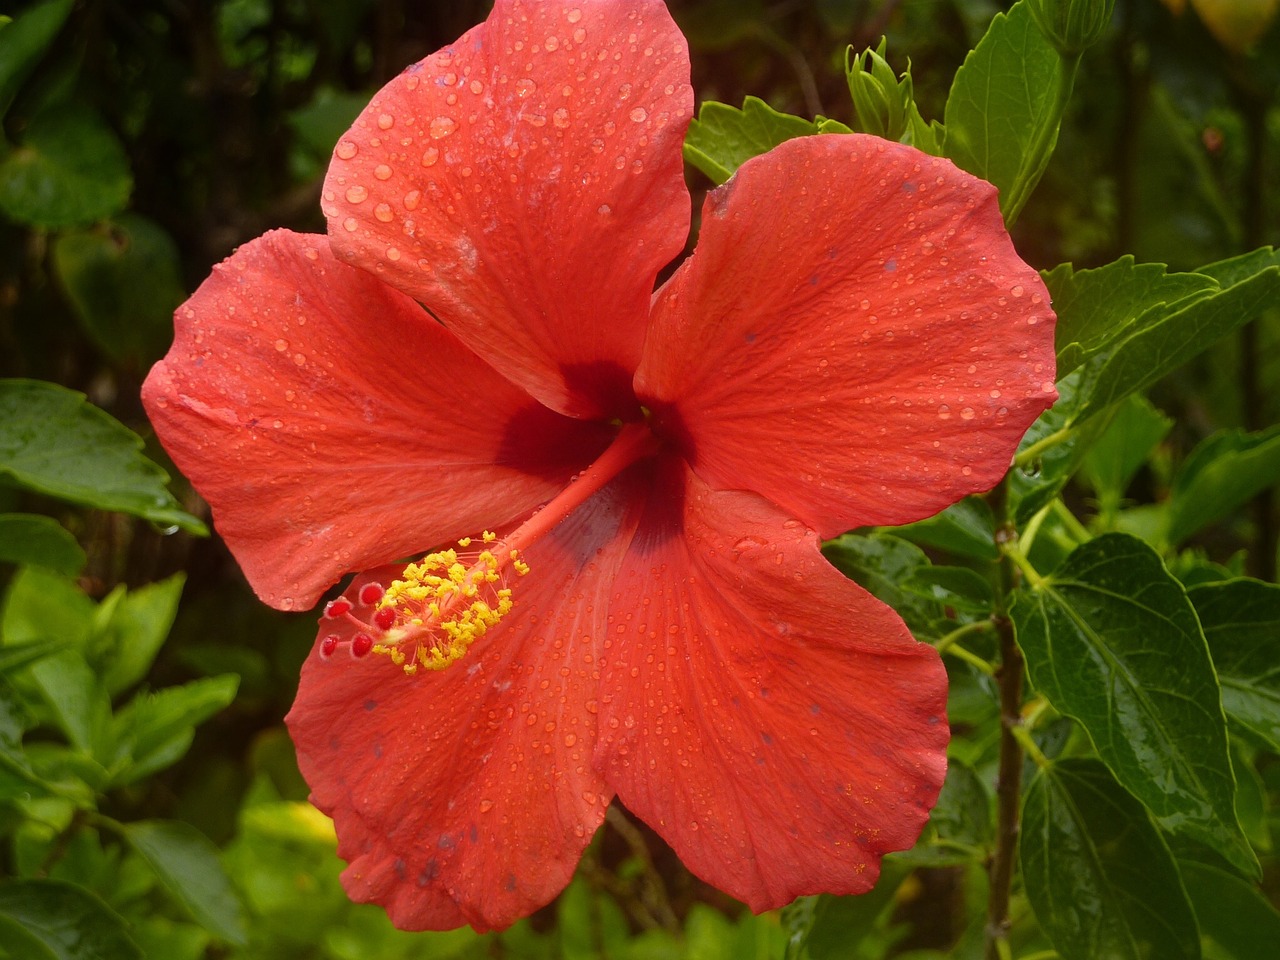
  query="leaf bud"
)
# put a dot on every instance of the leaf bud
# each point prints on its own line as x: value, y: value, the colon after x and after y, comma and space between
x: 1072, y: 26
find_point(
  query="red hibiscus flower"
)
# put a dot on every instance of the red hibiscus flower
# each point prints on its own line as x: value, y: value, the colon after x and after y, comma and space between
x: 476, y: 346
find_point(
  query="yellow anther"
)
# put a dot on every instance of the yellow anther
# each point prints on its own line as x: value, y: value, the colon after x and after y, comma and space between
x: 445, y: 602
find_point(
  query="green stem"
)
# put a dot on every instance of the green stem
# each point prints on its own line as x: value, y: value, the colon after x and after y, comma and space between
x: 946, y: 642
x: 1043, y: 140
x: 971, y: 658
x: 1009, y: 775
x: 1029, y: 456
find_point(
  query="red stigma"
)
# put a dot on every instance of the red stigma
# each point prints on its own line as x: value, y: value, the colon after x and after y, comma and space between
x: 336, y: 608
x: 371, y: 593
x: 328, y: 645
x: 384, y: 618
x: 361, y: 644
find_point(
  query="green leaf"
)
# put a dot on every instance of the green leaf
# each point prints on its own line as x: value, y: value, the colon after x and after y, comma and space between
x: 68, y: 169
x: 24, y: 41
x: 965, y: 529
x: 1098, y: 307
x: 1112, y: 640
x: 16, y: 656
x: 1033, y: 486
x: 187, y: 864
x: 28, y: 539
x: 123, y: 281
x: 1221, y: 474
x: 1241, y: 622
x: 957, y: 587
x: 53, y: 442
x: 42, y: 607
x: 1162, y: 340
x: 963, y: 813
x: 1116, y: 456
x: 1003, y: 99
x: 124, y: 649
x: 1234, y: 917
x: 819, y: 927
x: 1098, y: 875
x: 155, y: 730
x: 54, y: 920
x: 78, y: 700
x: 723, y: 138
x: 880, y: 563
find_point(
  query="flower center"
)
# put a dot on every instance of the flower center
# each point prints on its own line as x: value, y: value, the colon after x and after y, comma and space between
x: 430, y: 616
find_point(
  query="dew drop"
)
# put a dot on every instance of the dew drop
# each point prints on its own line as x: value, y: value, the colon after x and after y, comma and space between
x: 574, y: 15
x: 411, y: 200
x: 552, y: 44
x: 357, y: 193
x: 282, y: 345
x: 346, y: 149
x: 349, y: 224
x: 561, y: 118
x: 486, y: 806
x: 597, y: 145
x: 639, y: 114
x: 385, y: 121
x: 382, y: 172
x: 604, y: 208
x: 944, y: 412
x: 525, y: 86
x: 476, y: 86
x: 441, y: 127
x: 383, y: 212
x: 393, y: 254
x: 966, y: 413
x: 579, y: 35
x: 1017, y: 291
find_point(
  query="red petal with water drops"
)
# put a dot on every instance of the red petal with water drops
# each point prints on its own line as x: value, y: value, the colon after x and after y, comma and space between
x: 526, y: 184
x: 854, y: 338
x: 467, y: 796
x: 776, y: 724
x: 333, y: 425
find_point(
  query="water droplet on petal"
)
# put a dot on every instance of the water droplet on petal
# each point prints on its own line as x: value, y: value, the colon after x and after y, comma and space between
x: 346, y: 149
x: 486, y: 806
x: 349, y: 224
x: 442, y: 126
x: 383, y: 212
x: 966, y: 413
x: 357, y: 193
x: 561, y: 118
x: 552, y: 44
x: 525, y: 86
x: 574, y: 15
x: 382, y: 172
x: 476, y: 86
x: 639, y: 114
x: 579, y: 35
x: 944, y: 412
x: 411, y: 199
x: 430, y: 156
x: 385, y: 121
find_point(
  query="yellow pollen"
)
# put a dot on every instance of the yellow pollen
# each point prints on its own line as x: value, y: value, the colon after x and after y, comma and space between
x: 444, y: 603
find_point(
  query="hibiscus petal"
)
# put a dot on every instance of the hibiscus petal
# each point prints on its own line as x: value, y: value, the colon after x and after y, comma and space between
x: 854, y: 338
x: 776, y: 724
x: 467, y: 796
x: 332, y: 425
x: 526, y: 184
